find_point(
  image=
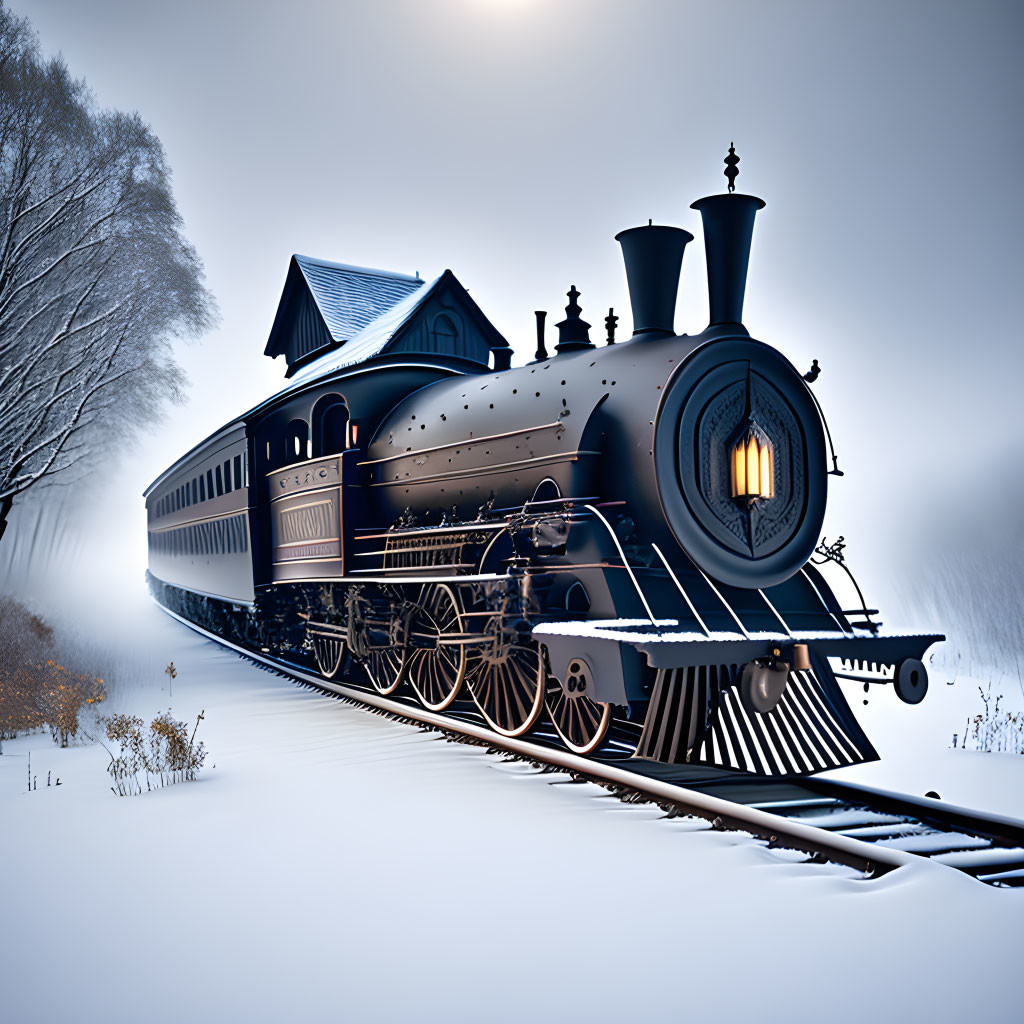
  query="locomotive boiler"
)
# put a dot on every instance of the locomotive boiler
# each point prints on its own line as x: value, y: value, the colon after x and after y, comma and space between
x: 621, y: 532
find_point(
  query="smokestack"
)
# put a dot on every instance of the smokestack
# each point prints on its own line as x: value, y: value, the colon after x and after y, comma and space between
x: 728, y: 229
x: 654, y: 256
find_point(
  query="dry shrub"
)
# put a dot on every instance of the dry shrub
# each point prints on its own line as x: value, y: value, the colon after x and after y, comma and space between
x: 36, y: 689
x: 125, y: 765
x: 995, y: 730
x: 164, y: 755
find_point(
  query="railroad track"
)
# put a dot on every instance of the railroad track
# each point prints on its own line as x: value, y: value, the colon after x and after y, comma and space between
x: 870, y: 830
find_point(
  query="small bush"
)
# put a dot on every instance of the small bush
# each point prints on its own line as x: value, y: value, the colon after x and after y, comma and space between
x: 125, y: 765
x: 163, y: 755
x: 64, y: 697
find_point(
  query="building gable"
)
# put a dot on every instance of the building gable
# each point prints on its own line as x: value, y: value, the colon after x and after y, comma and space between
x: 447, y: 322
x: 324, y: 305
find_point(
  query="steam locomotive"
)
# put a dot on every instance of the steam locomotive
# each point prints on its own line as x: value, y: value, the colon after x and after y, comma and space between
x: 619, y: 532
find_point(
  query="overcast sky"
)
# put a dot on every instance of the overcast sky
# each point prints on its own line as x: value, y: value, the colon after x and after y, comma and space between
x: 511, y: 139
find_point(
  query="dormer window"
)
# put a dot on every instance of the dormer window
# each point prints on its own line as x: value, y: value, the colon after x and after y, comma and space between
x: 443, y: 334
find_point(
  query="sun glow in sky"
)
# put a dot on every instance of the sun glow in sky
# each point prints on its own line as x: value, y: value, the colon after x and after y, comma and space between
x: 503, y: 4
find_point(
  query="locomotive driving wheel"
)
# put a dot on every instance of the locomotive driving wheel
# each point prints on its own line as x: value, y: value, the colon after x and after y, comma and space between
x: 378, y: 632
x: 385, y: 667
x: 436, y: 669
x: 580, y: 721
x: 505, y: 675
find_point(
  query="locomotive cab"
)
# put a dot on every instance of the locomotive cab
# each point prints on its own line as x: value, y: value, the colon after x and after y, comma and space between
x: 308, y: 463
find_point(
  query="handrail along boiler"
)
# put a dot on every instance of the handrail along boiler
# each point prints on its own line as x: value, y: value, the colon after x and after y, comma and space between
x: 623, y: 532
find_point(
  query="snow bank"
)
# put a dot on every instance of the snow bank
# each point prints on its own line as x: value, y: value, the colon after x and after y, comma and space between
x: 332, y: 864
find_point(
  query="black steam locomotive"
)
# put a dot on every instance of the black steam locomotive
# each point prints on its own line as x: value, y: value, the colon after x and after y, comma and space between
x: 626, y: 531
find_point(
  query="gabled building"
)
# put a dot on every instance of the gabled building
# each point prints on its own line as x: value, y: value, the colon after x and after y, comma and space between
x: 332, y: 315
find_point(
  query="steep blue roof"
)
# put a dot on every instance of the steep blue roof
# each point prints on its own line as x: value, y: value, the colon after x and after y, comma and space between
x: 347, y: 299
x: 350, y: 297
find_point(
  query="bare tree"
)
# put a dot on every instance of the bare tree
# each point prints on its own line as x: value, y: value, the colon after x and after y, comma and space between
x: 96, y: 276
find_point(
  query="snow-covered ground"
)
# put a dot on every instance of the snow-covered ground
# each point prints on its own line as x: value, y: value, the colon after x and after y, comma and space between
x: 915, y: 746
x: 333, y: 865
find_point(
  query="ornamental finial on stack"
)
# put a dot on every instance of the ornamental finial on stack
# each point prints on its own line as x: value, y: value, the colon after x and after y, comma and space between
x: 732, y: 167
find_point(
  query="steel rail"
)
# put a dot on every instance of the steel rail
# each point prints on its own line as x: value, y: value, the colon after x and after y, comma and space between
x: 1001, y: 828
x: 724, y: 814
x: 831, y: 841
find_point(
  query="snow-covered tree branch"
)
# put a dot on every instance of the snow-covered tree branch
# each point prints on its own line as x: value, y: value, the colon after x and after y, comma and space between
x: 96, y: 276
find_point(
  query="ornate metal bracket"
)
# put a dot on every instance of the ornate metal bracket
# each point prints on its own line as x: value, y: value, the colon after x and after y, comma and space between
x: 834, y: 552
x: 808, y: 377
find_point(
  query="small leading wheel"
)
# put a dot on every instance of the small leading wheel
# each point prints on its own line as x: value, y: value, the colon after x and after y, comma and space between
x: 506, y: 677
x: 329, y: 652
x: 436, y: 669
x: 581, y: 722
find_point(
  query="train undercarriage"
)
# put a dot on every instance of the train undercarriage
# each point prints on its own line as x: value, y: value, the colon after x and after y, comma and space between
x: 539, y: 616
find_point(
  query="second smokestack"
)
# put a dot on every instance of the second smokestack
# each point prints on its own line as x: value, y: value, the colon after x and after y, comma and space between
x: 654, y: 256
